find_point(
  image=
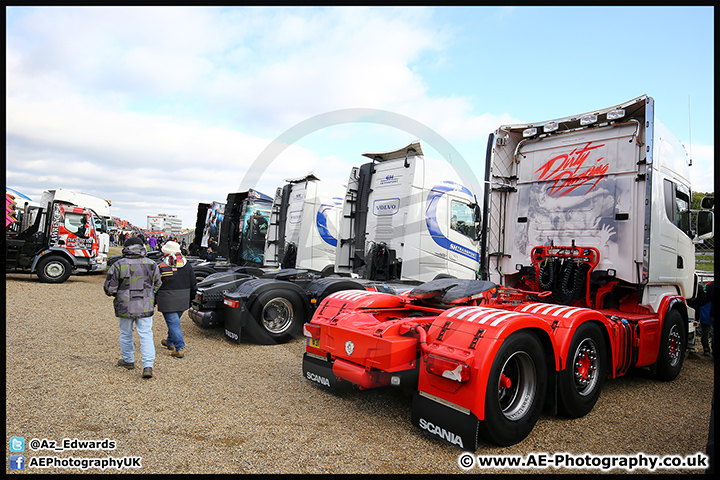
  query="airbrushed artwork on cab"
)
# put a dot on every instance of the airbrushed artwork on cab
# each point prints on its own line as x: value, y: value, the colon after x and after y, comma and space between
x: 213, y: 221
x: 72, y: 229
x: 253, y: 232
x: 577, y: 191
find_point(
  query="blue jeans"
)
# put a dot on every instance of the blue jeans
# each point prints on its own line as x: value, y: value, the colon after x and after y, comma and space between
x: 175, y: 335
x: 144, y: 331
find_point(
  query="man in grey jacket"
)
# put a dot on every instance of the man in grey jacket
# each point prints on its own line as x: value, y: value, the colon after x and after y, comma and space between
x: 133, y: 280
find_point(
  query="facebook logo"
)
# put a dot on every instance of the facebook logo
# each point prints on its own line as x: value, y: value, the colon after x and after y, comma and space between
x: 17, y: 444
x: 17, y: 462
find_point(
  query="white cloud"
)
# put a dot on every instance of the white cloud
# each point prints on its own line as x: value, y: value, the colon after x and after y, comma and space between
x: 160, y: 108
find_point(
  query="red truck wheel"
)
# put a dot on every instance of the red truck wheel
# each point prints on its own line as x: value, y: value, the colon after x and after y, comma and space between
x: 53, y: 269
x: 515, y: 390
x: 581, y: 382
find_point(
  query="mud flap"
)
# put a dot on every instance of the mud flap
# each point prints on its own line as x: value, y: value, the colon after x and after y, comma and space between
x: 445, y: 423
x: 239, y: 320
x: 319, y: 371
x: 235, y: 322
x: 253, y: 330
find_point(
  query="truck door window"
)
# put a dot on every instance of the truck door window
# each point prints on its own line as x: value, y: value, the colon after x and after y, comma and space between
x: 75, y: 223
x: 100, y: 225
x: 677, y: 206
x: 462, y: 219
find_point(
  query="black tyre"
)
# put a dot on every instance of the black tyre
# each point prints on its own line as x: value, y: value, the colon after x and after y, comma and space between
x: 672, y: 347
x: 580, y: 384
x: 515, y: 390
x: 53, y: 269
x: 338, y: 287
x: 280, y: 313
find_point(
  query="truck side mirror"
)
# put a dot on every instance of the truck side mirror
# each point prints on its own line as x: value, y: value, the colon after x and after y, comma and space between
x: 707, y: 203
x: 705, y: 225
x: 478, y: 221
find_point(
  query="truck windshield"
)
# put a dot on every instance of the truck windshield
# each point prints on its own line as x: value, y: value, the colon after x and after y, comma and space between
x: 462, y: 219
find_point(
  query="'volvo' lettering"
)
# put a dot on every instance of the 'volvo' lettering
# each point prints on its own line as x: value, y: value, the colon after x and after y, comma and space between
x: 386, y: 207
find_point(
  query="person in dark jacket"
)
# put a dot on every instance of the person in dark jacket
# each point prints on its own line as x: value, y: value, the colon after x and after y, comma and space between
x: 173, y: 298
x: 710, y: 295
x: 133, y: 281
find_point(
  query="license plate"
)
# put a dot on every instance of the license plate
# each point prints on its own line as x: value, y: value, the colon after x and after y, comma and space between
x: 313, y: 342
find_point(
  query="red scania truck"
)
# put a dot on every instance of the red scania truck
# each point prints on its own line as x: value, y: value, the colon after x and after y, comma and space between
x: 587, y: 261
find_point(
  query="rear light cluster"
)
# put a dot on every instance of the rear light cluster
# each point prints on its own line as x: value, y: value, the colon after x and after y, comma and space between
x: 231, y: 303
x: 448, y: 368
x: 312, y: 331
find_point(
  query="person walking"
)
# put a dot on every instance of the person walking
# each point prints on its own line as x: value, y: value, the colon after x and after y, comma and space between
x: 133, y: 280
x: 173, y: 298
x: 152, y: 242
x: 707, y: 321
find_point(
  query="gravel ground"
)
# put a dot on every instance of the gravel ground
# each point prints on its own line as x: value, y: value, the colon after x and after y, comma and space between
x: 228, y: 408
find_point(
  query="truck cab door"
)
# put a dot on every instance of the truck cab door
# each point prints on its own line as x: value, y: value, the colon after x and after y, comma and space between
x: 73, y: 228
x: 675, y: 253
x: 462, y: 229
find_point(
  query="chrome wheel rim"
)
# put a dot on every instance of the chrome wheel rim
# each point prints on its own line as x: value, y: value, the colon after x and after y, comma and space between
x: 674, y: 346
x: 585, y: 367
x: 54, y: 270
x: 277, y: 315
x: 517, y: 386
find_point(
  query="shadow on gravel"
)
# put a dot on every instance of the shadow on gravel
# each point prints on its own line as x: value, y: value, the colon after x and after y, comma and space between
x: 32, y: 278
x: 21, y: 277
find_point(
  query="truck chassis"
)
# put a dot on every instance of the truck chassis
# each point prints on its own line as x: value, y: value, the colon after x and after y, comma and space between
x: 483, y: 360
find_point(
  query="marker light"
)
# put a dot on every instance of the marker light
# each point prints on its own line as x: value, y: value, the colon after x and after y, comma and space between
x: 231, y: 303
x: 529, y: 132
x: 615, y: 114
x: 588, y: 119
x: 550, y: 127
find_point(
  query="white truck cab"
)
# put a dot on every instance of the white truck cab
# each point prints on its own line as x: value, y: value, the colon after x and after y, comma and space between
x: 406, y: 217
x: 101, y: 215
x: 304, y: 224
x: 615, y: 179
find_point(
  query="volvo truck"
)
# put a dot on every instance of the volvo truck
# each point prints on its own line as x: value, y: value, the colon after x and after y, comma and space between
x: 234, y: 228
x: 298, y: 234
x: 406, y: 219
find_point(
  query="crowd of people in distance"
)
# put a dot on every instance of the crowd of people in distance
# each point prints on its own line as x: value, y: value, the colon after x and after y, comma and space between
x: 153, y: 242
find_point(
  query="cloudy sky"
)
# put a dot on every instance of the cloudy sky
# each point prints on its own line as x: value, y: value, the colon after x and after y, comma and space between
x: 158, y: 109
